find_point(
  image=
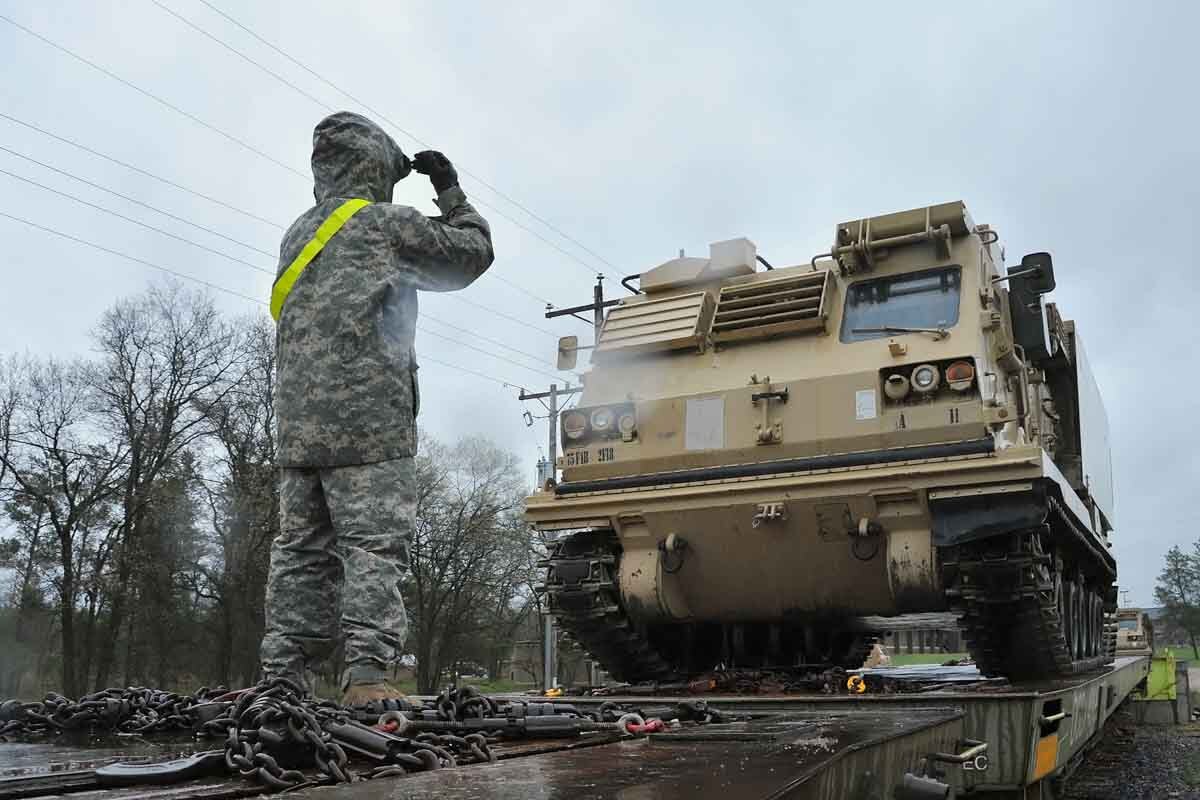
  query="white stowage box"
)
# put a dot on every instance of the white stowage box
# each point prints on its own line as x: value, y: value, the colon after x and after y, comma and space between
x: 731, y: 257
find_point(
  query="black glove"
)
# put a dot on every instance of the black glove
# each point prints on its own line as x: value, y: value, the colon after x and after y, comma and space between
x: 439, y: 169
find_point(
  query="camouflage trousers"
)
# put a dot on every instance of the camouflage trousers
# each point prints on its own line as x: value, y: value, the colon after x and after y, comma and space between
x: 342, y: 551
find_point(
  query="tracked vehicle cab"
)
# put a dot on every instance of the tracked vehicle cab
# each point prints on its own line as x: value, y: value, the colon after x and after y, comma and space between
x: 762, y: 458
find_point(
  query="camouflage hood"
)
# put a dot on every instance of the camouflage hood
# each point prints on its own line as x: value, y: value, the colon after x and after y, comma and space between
x: 354, y: 157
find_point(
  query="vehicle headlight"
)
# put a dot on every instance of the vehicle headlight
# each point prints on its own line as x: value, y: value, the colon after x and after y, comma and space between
x: 960, y: 375
x: 925, y: 378
x: 574, y: 424
x: 602, y: 420
x: 627, y: 424
x: 896, y: 387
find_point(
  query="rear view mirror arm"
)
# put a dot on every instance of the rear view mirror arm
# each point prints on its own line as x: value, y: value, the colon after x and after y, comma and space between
x: 1021, y: 273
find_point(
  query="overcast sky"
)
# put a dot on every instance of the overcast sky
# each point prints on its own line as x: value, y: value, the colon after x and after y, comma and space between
x: 639, y: 129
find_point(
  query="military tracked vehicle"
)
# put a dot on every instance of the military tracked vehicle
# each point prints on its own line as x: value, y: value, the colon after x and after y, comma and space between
x: 761, y: 459
x: 1135, y: 632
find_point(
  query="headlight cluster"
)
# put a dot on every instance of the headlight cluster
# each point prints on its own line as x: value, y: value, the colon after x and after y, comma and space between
x: 603, y: 422
x: 924, y: 380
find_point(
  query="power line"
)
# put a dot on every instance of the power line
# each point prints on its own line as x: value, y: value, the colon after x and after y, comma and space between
x: 189, y: 241
x: 202, y: 227
x: 119, y: 254
x: 520, y: 289
x: 141, y: 171
x: 135, y: 201
x: 242, y: 55
x: 383, y: 117
x: 154, y: 97
x: 147, y: 226
x: 501, y: 345
x: 457, y: 368
x: 219, y: 288
x: 264, y: 270
x: 487, y: 353
x: 235, y: 139
x: 509, y: 317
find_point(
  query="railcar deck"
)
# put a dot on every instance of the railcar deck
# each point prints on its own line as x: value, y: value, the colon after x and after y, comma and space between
x: 980, y: 738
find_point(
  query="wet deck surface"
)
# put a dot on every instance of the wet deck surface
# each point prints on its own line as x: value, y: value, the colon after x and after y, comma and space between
x: 757, y: 756
x: 69, y: 754
x: 754, y: 759
x: 779, y: 740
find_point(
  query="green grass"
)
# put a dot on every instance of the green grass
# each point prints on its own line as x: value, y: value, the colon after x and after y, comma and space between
x: 909, y: 659
x: 410, y: 687
x: 487, y: 687
x: 497, y: 686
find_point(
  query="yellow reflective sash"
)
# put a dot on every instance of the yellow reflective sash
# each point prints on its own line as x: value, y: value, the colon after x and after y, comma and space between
x: 285, y: 282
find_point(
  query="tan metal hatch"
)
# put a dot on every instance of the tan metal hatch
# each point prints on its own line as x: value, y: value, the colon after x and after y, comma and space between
x: 672, y: 323
x: 790, y: 304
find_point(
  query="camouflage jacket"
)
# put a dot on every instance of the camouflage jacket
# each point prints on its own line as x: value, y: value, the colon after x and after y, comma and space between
x: 347, y: 374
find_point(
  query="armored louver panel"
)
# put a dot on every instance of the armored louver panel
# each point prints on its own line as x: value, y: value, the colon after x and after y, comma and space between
x: 671, y: 323
x: 769, y: 308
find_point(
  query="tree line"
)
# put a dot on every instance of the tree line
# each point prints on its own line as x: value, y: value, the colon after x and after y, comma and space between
x: 138, y: 502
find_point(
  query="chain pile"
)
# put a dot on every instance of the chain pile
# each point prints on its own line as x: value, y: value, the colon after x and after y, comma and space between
x: 281, y: 737
x: 114, y: 710
x: 273, y: 731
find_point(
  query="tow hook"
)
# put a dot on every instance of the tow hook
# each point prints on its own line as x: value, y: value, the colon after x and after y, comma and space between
x: 672, y: 551
x: 865, y: 539
x: 769, y: 512
x: 926, y: 784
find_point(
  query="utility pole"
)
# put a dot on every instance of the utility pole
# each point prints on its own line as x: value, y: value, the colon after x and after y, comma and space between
x: 553, y: 408
x: 597, y: 307
x: 549, y: 634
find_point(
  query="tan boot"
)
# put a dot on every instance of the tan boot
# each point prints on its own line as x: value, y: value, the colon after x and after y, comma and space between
x: 359, y: 694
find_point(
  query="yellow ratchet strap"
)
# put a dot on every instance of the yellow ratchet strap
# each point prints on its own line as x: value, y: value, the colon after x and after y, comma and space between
x: 285, y: 282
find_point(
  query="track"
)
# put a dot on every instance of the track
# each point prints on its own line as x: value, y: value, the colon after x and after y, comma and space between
x: 581, y: 587
x: 1030, y: 606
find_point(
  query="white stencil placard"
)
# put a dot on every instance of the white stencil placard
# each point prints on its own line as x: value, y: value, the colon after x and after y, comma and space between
x: 864, y: 404
x: 704, y: 426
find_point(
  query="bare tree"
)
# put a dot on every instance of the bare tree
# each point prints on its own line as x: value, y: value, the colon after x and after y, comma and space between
x: 243, y: 505
x: 164, y: 357
x: 26, y: 556
x: 139, y: 498
x: 470, y: 553
x: 54, y: 470
x: 9, y: 395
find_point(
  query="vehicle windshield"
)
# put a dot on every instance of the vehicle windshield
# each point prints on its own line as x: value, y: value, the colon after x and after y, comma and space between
x: 886, y: 306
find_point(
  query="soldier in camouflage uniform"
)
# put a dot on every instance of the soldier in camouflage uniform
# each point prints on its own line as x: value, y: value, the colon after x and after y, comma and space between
x: 347, y: 401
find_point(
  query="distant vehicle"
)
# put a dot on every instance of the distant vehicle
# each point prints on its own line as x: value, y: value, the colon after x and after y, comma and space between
x: 470, y: 669
x: 1135, y: 633
x: 762, y: 457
